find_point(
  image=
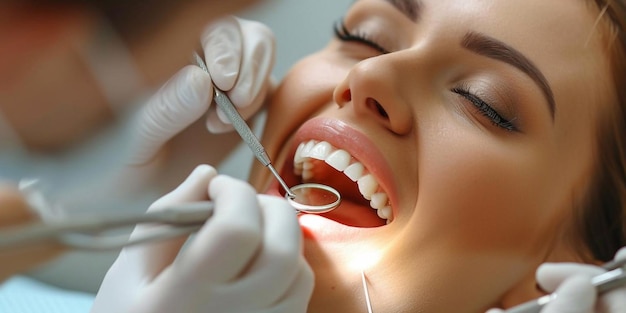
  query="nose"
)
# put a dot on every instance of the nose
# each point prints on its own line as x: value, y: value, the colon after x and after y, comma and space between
x: 374, y: 89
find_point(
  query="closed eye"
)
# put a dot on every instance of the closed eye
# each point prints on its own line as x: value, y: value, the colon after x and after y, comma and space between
x: 343, y: 34
x: 485, y: 109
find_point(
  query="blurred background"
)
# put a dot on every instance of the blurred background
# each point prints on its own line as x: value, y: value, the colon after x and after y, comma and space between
x: 301, y: 27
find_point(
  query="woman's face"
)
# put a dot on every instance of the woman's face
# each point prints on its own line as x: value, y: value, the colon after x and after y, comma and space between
x: 470, y: 126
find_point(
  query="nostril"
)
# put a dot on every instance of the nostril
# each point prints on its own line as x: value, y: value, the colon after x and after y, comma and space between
x: 373, y: 104
x: 342, y: 98
x: 346, y: 96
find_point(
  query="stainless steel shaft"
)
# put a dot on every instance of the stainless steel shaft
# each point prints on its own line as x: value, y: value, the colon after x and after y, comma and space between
x: 240, y: 125
x: 248, y: 136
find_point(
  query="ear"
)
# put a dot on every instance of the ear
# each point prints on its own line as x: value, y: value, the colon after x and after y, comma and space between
x: 27, y: 32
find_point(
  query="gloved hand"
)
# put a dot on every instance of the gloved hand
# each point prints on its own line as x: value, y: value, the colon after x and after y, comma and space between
x: 575, y: 294
x: 246, y: 258
x: 239, y: 55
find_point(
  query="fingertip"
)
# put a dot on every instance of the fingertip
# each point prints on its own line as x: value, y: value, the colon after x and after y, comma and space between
x: 259, y: 29
x: 196, y: 75
x: 550, y: 275
x: 223, y: 45
x: 226, y: 186
x: 204, y: 170
x: 235, y: 202
x: 544, y: 271
x: 201, y: 172
x: 545, y: 267
x: 193, y: 188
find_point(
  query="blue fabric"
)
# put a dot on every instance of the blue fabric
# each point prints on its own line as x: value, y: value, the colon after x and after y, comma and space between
x: 25, y: 295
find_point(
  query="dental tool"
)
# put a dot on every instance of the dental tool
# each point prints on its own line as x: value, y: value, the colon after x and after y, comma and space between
x: 614, y: 277
x: 248, y: 136
x: 224, y: 103
x: 314, y: 198
x: 89, y: 232
x: 305, y: 198
x: 367, y: 295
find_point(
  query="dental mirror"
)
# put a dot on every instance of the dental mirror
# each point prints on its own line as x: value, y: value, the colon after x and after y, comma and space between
x: 306, y: 198
x: 313, y: 198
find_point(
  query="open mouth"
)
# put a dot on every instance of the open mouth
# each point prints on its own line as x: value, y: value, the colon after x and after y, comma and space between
x: 363, y: 202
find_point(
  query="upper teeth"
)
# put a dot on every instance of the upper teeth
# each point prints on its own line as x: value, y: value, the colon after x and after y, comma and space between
x: 342, y: 161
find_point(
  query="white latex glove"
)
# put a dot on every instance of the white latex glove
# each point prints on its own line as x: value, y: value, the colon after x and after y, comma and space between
x: 239, y: 55
x: 575, y: 294
x: 246, y: 258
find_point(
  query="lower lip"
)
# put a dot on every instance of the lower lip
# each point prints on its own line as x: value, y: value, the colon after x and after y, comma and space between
x: 319, y: 228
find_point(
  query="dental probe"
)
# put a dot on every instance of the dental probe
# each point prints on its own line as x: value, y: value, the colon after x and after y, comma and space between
x: 615, y: 277
x: 244, y: 130
x: 367, y: 295
x: 248, y: 136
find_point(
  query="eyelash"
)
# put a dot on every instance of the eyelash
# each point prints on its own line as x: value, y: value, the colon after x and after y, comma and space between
x: 343, y: 34
x: 485, y: 109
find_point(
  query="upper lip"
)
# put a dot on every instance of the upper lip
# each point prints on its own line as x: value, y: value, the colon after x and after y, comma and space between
x: 343, y: 136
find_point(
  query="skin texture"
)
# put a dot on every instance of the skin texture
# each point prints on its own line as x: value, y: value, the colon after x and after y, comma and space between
x: 50, y: 97
x: 476, y: 207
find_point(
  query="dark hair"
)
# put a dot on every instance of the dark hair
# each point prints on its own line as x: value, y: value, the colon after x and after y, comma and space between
x: 601, y: 219
x: 132, y: 19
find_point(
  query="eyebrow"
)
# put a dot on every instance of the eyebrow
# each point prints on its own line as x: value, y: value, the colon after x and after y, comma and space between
x: 495, y: 49
x: 410, y: 8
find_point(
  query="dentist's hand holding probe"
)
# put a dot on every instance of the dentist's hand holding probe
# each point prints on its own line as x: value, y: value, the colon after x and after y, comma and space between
x: 239, y: 55
x: 246, y: 258
x: 575, y: 293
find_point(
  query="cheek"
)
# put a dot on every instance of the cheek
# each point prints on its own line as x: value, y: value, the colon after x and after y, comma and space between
x: 304, y: 91
x: 309, y: 85
x: 480, y: 210
x: 479, y: 194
